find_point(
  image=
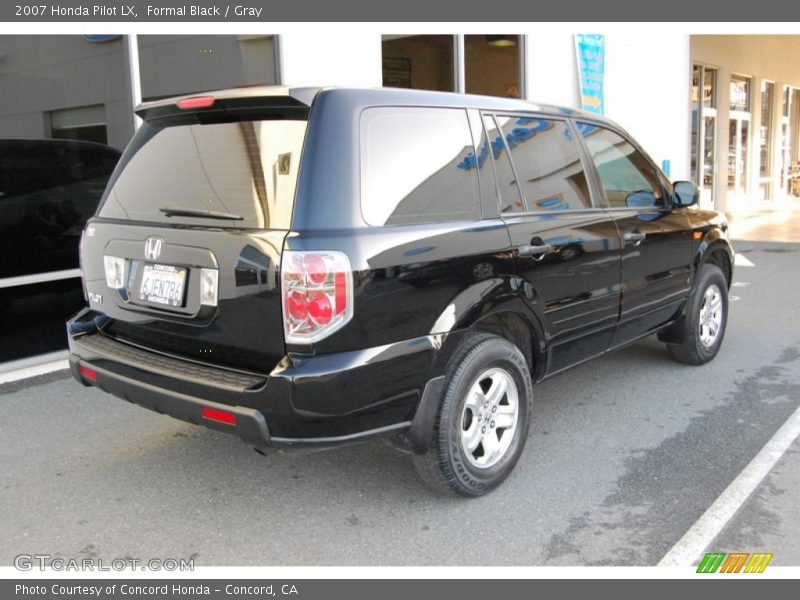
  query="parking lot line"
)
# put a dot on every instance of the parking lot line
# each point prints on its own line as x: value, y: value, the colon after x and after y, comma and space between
x: 700, y: 535
x: 31, y: 367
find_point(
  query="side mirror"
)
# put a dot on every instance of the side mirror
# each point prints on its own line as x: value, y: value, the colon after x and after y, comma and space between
x: 685, y: 193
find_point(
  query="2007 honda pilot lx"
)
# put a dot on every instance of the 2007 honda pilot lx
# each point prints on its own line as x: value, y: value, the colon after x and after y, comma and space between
x: 312, y: 267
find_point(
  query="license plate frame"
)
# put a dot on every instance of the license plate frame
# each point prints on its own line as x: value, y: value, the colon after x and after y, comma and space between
x: 162, y: 286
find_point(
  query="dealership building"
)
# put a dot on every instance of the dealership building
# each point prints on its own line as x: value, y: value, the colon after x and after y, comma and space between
x: 721, y: 110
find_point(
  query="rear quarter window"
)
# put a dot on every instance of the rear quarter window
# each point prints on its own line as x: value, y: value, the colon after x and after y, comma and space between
x: 417, y: 166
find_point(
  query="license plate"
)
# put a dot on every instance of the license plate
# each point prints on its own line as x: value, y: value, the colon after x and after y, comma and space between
x: 163, y: 285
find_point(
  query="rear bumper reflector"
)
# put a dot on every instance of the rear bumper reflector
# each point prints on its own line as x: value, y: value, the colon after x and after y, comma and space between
x: 218, y: 415
x: 87, y: 373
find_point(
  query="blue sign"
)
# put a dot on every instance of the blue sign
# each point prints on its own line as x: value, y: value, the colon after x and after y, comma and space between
x: 591, y: 53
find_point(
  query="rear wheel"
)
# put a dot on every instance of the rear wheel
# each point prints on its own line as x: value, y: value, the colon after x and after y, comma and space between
x: 483, y: 419
x: 701, y: 330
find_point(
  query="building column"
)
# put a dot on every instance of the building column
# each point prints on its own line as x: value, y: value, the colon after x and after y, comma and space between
x: 459, y: 64
x: 721, y: 150
x: 753, y: 187
x: 776, y: 192
x: 524, y: 59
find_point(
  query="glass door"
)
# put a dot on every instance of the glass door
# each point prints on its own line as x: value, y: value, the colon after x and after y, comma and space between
x: 765, y: 143
x: 703, y: 133
x: 788, y: 125
x: 738, y: 137
x: 738, y: 143
x: 788, y: 137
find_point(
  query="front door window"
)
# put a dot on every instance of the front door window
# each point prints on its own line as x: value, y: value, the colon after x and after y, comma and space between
x: 626, y: 176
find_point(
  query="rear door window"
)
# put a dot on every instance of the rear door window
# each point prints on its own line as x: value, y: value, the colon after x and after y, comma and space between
x: 236, y: 174
x: 547, y: 166
x: 418, y: 165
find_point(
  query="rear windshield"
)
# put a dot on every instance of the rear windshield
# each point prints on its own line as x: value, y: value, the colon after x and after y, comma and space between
x: 239, y: 174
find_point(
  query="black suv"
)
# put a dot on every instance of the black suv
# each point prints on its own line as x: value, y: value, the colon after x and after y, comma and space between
x: 312, y: 267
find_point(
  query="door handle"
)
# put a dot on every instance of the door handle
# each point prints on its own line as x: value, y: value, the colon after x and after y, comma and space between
x: 536, y: 252
x: 633, y: 237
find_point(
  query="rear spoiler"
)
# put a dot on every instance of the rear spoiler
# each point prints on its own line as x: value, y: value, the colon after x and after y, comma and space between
x: 208, y: 103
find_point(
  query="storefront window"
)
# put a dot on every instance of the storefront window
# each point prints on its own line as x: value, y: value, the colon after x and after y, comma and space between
x: 423, y: 62
x: 87, y: 133
x: 740, y: 93
x: 787, y: 99
x: 709, y: 85
x: 87, y: 123
x: 492, y: 65
x: 171, y: 65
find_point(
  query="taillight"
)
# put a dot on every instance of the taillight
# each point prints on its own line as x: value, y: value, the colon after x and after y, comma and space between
x: 317, y: 292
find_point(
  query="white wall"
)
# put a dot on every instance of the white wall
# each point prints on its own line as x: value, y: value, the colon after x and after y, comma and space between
x: 352, y: 60
x: 551, y: 69
x: 647, y: 86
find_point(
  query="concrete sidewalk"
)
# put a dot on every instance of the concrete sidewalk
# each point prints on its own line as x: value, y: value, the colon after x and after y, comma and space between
x: 779, y: 224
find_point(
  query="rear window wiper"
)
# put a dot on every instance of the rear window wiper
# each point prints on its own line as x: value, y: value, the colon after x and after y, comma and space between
x: 200, y: 214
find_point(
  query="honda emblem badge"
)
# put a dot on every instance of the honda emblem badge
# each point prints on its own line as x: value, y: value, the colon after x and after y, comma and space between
x: 152, y: 248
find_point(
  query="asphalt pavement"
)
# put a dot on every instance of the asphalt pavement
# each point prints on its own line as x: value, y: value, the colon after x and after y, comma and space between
x: 625, y: 453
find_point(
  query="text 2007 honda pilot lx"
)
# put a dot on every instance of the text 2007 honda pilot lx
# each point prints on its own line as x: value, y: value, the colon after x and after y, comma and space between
x: 312, y: 267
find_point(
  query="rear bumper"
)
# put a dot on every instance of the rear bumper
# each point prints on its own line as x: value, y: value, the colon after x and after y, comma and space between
x: 306, y: 401
x: 249, y: 424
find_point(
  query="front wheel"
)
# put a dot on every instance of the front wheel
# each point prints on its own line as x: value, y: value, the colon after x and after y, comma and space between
x: 483, y: 419
x: 702, y: 328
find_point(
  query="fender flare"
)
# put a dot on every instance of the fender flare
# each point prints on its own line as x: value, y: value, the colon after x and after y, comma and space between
x: 713, y: 241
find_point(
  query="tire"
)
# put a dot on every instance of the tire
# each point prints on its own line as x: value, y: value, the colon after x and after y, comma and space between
x: 702, y: 328
x: 470, y: 453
